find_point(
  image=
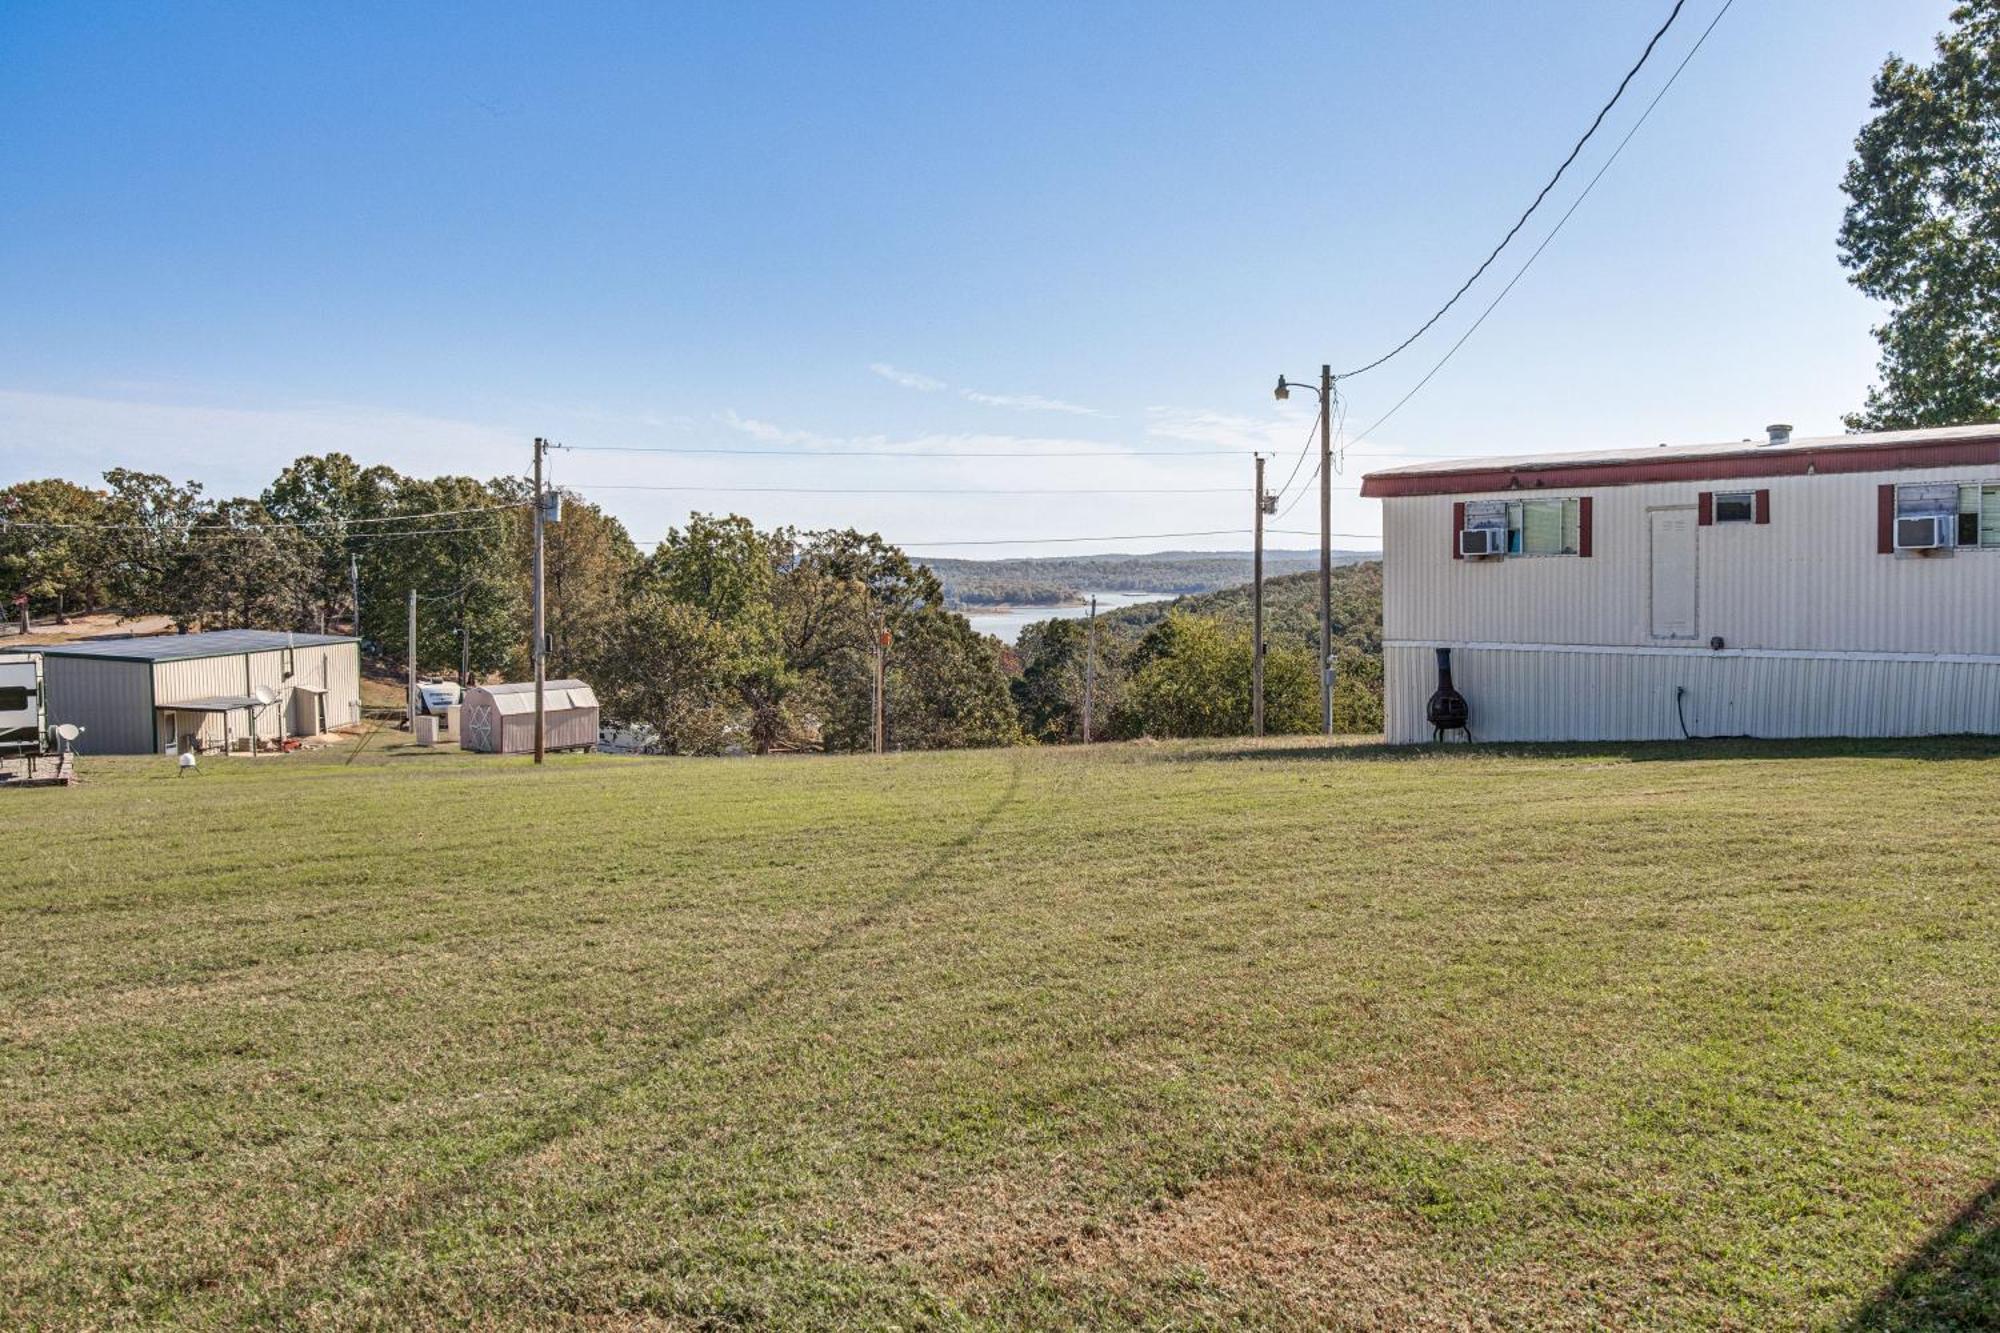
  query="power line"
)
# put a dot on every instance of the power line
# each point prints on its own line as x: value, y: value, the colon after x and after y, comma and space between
x: 910, y: 453
x: 1522, y: 221
x: 209, y: 525
x: 1556, y: 230
x: 950, y: 490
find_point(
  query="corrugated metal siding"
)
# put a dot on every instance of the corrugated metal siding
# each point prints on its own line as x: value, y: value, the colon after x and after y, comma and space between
x: 104, y: 696
x: 514, y: 733
x: 336, y: 668
x: 333, y: 668
x: 1524, y: 694
x: 1809, y: 579
x: 200, y: 678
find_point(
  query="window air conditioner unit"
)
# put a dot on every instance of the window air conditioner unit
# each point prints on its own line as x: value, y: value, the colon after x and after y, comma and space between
x: 1482, y: 541
x: 1925, y: 532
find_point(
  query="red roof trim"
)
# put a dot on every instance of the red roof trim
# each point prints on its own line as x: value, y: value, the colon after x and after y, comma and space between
x: 1714, y: 467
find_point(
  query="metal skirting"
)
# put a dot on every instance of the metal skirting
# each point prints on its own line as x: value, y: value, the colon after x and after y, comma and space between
x: 1556, y: 692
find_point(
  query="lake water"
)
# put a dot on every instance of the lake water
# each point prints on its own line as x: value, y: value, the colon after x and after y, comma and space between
x: 1007, y: 625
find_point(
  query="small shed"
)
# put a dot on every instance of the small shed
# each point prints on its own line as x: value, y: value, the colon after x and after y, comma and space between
x: 500, y: 719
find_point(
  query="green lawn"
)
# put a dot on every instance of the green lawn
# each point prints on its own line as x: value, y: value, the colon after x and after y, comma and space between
x: 1207, y: 1035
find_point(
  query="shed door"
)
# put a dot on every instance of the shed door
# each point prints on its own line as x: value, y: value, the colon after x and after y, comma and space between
x: 1673, y: 573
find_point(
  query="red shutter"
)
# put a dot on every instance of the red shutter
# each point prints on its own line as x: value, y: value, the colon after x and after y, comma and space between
x: 1583, y: 526
x: 1457, y: 526
x: 1763, y: 506
x: 1885, y: 520
x: 1705, y: 509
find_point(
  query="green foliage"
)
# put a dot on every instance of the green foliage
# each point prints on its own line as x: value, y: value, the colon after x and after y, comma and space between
x: 767, y: 640
x: 1048, y: 692
x: 1205, y: 691
x: 145, y: 539
x: 58, y: 568
x: 1922, y: 229
x: 675, y: 667
x: 1191, y: 676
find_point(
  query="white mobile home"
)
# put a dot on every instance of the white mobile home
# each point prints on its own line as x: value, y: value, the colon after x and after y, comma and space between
x: 1841, y: 586
x: 186, y: 691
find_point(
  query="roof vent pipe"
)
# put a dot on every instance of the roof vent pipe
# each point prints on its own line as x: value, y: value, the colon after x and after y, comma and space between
x: 1779, y: 433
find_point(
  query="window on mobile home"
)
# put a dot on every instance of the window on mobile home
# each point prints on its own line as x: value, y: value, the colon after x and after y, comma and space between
x: 1972, y: 511
x: 1736, y: 506
x: 1979, y: 515
x: 1544, y: 527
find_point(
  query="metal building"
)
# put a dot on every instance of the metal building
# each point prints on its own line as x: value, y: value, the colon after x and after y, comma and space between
x: 177, y: 691
x: 500, y: 719
x: 1840, y: 586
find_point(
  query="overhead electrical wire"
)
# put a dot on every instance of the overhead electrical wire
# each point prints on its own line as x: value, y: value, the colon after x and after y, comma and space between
x: 207, y: 526
x: 932, y: 454
x: 959, y: 490
x: 1554, y: 231
x: 1522, y: 221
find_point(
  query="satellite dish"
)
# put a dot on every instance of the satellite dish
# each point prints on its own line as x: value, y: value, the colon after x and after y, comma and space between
x: 263, y: 695
x: 67, y: 732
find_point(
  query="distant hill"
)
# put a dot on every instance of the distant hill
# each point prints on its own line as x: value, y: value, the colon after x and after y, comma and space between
x: 1052, y: 580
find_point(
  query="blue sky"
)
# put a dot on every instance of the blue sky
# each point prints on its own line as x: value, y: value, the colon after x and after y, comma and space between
x: 231, y: 234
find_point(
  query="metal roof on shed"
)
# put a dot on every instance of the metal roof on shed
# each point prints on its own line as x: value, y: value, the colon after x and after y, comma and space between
x: 519, y: 697
x: 180, y: 647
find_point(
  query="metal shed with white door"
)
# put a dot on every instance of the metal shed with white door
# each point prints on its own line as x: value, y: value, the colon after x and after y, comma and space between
x: 1840, y: 586
x: 204, y: 691
x: 500, y: 719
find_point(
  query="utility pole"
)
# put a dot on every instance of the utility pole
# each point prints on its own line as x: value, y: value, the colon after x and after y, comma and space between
x: 1257, y: 610
x: 541, y: 637
x: 1090, y: 674
x: 881, y: 708
x: 411, y: 655
x: 1326, y: 549
x: 354, y: 589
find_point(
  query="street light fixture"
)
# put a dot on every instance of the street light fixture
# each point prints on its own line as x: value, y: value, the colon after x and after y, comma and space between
x: 1282, y: 393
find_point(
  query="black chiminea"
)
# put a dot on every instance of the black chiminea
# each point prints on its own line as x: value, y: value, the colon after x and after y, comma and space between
x: 1447, y: 709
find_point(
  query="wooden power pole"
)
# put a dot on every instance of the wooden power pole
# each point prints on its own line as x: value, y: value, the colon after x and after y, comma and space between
x: 410, y: 702
x: 1326, y: 549
x: 541, y: 635
x: 1264, y: 506
x: 1090, y: 674
x: 881, y: 703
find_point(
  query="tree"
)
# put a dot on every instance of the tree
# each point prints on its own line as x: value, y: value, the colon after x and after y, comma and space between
x: 1922, y: 230
x: 55, y: 556
x: 1048, y: 694
x: 674, y: 667
x: 237, y: 571
x: 463, y: 565
x: 332, y: 500
x: 1191, y: 677
x: 146, y: 539
x: 588, y: 563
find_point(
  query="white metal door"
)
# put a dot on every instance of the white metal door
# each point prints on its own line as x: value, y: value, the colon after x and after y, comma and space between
x: 1673, y: 573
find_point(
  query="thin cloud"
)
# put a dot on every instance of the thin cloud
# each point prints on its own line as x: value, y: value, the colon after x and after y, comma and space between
x: 1227, y: 430
x: 1030, y: 402
x: 909, y: 379
x: 1013, y: 402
